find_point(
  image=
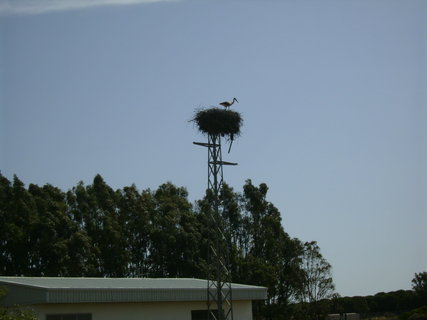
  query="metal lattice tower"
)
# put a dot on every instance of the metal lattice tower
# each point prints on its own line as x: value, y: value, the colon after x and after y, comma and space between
x: 219, y: 278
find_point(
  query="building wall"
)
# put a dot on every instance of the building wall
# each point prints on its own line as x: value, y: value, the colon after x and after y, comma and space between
x: 343, y: 316
x: 242, y: 310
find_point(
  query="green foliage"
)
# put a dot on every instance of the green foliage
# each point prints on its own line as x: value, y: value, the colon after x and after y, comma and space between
x: 419, y: 284
x: 415, y: 314
x: 93, y: 230
x: 51, y: 231
x: 317, y: 281
x: 317, y: 286
x: 394, y: 302
x: 174, y: 235
x: 15, y: 313
x: 19, y: 217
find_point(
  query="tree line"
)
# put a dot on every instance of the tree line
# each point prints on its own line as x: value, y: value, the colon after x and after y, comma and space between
x: 396, y: 302
x: 95, y: 231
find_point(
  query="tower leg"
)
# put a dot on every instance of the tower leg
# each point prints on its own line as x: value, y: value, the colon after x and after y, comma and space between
x: 219, y: 278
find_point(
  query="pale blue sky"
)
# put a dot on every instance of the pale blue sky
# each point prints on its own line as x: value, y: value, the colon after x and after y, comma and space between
x: 333, y: 95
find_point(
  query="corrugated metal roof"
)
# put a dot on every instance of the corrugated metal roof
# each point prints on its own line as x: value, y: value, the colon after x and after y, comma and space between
x: 36, y: 290
x: 142, y: 283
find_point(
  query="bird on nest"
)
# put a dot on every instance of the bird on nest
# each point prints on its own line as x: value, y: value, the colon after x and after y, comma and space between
x: 227, y: 104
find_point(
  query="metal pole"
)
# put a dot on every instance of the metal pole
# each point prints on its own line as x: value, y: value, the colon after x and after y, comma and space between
x: 219, y: 278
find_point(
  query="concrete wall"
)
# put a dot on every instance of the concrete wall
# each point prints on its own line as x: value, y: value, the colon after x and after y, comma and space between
x: 138, y: 311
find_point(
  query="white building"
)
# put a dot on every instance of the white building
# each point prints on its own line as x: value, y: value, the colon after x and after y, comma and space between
x: 121, y: 298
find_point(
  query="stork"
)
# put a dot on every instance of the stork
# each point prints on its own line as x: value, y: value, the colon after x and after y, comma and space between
x: 227, y: 104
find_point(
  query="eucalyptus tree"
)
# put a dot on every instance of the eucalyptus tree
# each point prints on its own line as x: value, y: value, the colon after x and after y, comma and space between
x: 231, y: 213
x: 419, y: 282
x: 83, y: 253
x: 50, y: 232
x: 136, y: 210
x: 171, y: 236
x: 290, y: 274
x: 317, y: 284
x: 204, y: 211
x: 5, y: 201
x: 95, y: 210
x: 419, y: 285
x: 106, y: 231
x: 19, y: 215
x: 273, y: 258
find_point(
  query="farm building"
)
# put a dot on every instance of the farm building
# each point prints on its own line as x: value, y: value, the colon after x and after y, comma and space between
x: 121, y: 298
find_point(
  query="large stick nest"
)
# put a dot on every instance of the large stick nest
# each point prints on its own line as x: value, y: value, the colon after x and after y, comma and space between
x: 217, y: 121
